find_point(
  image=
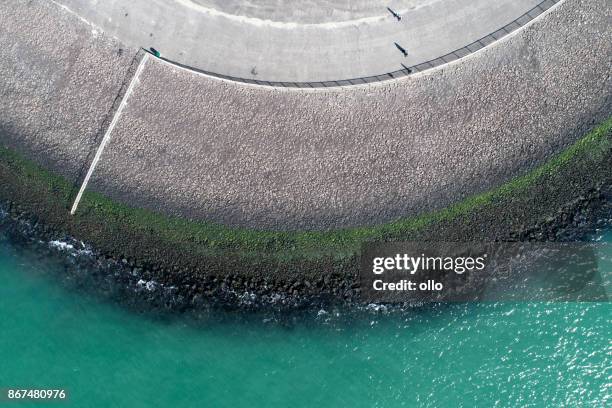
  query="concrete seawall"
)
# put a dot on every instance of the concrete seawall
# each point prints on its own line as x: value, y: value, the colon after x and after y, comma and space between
x: 264, y: 158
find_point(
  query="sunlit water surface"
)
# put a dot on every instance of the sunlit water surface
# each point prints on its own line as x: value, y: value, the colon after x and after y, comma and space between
x: 544, y: 354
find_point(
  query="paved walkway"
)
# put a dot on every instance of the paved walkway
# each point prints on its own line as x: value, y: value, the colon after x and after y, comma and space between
x: 295, y: 41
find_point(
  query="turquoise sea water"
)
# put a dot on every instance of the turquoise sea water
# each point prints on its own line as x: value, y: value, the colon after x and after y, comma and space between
x: 543, y: 354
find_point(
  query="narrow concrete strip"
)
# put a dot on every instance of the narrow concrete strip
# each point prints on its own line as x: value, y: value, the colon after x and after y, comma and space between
x: 108, y: 133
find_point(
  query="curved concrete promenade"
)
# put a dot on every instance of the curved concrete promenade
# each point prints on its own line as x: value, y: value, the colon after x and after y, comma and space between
x: 203, y: 148
x: 308, y: 42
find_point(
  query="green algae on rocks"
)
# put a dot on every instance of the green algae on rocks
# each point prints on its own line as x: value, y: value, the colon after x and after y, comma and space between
x: 200, y: 247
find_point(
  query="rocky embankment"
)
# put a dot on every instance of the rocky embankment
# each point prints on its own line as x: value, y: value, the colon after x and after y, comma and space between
x: 150, y: 289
